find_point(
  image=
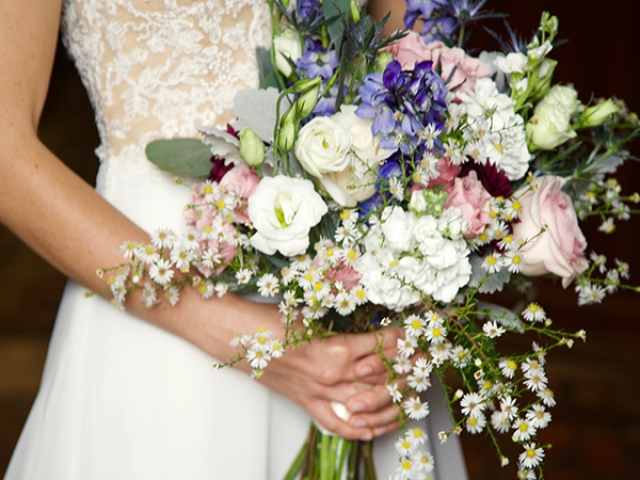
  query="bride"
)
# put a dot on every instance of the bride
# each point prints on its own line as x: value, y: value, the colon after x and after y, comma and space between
x: 130, y: 394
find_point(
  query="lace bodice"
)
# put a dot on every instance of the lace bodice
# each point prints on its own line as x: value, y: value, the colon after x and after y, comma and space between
x: 162, y: 68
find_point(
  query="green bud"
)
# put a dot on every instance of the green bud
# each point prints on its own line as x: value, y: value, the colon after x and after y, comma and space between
x: 251, y: 147
x: 597, y: 114
x: 355, y: 12
x: 382, y: 60
x: 306, y: 84
x: 307, y: 101
x: 288, y: 129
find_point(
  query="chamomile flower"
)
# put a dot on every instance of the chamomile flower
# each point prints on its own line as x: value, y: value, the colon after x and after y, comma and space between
x: 268, y: 285
x: 395, y: 393
x: 476, y: 424
x: 500, y: 421
x: 173, y: 295
x: 547, y: 397
x: 415, y: 409
x: 404, y: 446
x: 492, y: 330
x: 523, y: 430
x: 472, y: 404
x: 423, y: 460
x: 508, y: 367
x: 163, y: 238
x: 401, y: 365
x: 243, y: 276
x: 414, y: 325
x: 422, y: 366
x: 128, y: 249
x: 536, y: 380
x: 276, y: 349
x: 258, y: 359
x: 147, y: 254
x: 407, y: 346
x: 532, y: 456
x: 435, y: 333
x: 538, y: 416
x: 149, y: 295
x: 240, y: 339
x: 345, y: 303
x: 417, y: 435
x: 221, y: 289
x: 513, y: 260
x: 419, y: 383
x: 492, y: 263
x: 161, y: 272
x: 205, y: 289
x: 534, y: 313
x: 182, y: 257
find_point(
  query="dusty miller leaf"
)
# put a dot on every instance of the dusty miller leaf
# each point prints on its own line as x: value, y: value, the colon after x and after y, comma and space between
x: 256, y: 109
x: 494, y: 283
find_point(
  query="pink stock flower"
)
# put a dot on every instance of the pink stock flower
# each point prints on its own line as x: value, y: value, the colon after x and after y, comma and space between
x: 411, y: 49
x: 448, y: 172
x: 469, y: 196
x: 560, y: 248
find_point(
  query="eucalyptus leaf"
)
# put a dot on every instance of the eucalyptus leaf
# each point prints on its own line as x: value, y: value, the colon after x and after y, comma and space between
x: 502, y: 315
x: 182, y: 156
x: 608, y: 165
x: 256, y: 109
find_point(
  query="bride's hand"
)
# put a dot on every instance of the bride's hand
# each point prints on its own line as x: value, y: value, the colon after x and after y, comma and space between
x: 344, y: 369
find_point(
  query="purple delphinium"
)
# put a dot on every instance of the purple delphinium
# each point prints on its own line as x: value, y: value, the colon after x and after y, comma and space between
x: 306, y: 9
x: 402, y: 103
x: 317, y: 61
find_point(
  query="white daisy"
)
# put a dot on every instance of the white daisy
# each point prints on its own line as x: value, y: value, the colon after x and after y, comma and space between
x: 508, y: 367
x: 268, y: 285
x: 173, y: 295
x: 538, y: 416
x: 523, y: 430
x: 472, y: 404
x: 492, y: 330
x: 534, y: 313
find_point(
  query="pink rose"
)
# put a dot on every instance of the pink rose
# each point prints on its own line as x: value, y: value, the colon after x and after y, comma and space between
x: 560, y: 248
x: 411, y: 49
x: 469, y: 196
x: 243, y: 180
x: 343, y: 273
x: 447, y: 172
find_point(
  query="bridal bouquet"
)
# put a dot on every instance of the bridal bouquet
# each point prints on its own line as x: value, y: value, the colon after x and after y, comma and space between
x: 379, y: 181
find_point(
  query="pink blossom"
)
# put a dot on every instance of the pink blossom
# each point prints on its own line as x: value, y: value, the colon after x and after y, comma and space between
x: 343, y: 273
x: 411, y: 49
x: 242, y: 180
x: 469, y: 196
x: 447, y: 173
x: 560, y: 248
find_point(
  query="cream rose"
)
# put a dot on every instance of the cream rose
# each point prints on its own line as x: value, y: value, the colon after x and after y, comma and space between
x: 283, y: 210
x: 560, y: 248
x: 323, y: 147
x: 357, y: 182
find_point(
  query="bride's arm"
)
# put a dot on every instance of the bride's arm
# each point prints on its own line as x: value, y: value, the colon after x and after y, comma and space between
x: 66, y: 222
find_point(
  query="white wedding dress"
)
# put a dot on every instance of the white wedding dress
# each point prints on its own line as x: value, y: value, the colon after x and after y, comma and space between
x: 120, y: 398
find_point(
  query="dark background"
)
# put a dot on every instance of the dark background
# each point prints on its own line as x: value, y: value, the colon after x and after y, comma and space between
x: 596, y: 426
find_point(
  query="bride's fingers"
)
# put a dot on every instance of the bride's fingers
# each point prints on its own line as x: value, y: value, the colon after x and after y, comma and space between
x: 381, y: 421
x: 369, y: 400
x: 325, y: 416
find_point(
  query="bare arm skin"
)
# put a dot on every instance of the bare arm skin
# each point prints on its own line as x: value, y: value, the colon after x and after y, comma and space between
x: 66, y: 222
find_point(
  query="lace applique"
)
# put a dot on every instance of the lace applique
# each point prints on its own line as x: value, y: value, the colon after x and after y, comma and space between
x: 162, y: 68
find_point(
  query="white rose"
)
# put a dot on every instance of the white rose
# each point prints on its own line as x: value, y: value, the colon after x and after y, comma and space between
x: 549, y: 127
x: 283, y: 210
x: 287, y: 45
x: 323, y: 147
x: 347, y: 190
x: 566, y: 97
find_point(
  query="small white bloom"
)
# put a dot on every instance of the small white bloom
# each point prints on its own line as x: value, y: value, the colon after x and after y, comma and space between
x: 268, y: 285
x: 173, y: 295
x: 476, y: 424
x: 161, y: 272
x: 523, y: 430
x: 538, y: 416
x: 415, y: 409
x: 472, y: 404
x: 532, y: 456
x: 534, y: 313
x: 492, y: 330
x: 508, y: 367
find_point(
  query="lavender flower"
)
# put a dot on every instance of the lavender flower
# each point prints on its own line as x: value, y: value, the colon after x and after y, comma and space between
x: 317, y: 62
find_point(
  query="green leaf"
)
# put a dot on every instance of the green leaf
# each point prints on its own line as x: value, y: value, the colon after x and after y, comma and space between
x: 182, y: 156
x: 338, y: 11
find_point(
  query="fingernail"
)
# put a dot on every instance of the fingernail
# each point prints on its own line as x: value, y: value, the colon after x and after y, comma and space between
x: 359, y: 423
x: 356, y: 407
x: 364, y: 371
x: 366, y: 437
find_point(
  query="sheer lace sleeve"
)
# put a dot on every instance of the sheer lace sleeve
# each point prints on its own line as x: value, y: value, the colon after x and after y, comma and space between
x: 161, y: 68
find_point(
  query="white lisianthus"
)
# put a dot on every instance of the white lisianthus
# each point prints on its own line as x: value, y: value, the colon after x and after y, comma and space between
x: 323, y: 147
x: 364, y: 145
x: 283, y: 210
x: 513, y: 62
x: 550, y: 125
x: 287, y: 45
